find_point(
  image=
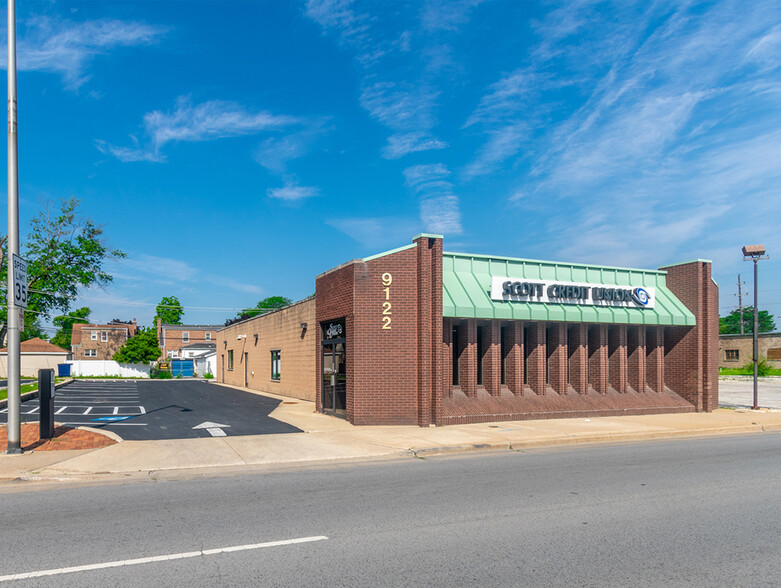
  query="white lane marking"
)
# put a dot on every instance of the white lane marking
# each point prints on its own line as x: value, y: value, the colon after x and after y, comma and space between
x: 89, y: 409
x: 60, y: 410
x: 113, y: 424
x: 215, y: 429
x: 157, y: 558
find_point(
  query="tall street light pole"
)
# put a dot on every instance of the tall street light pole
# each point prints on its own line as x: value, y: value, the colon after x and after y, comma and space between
x: 14, y: 358
x: 755, y: 253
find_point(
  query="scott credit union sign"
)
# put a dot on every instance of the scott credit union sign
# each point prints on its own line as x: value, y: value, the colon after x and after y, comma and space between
x: 524, y: 290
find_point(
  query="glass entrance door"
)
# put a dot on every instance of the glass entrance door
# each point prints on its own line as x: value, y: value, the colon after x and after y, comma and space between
x: 334, y: 378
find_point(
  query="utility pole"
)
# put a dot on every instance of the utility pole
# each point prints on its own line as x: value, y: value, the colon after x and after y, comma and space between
x: 14, y: 356
x: 740, y: 304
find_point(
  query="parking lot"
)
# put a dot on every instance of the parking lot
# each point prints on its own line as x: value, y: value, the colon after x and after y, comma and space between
x: 161, y: 409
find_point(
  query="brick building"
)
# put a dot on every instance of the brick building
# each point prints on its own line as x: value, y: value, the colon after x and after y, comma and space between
x: 100, y: 341
x: 173, y: 338
x: 421, y: 336
x: 737, y: 350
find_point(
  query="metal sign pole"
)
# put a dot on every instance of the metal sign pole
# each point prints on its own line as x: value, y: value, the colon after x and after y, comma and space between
x: 14, y: 357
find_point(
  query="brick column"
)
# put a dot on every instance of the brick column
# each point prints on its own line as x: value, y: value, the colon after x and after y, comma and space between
x: 597, y: 359
x: 577, y: 344
x: 616, y: 349
x: 467, y: 368
x: 447, y: 356
x: 536, y: 357
x: 492, y: 359
x: 654, y: 358
x: 513, y: 363
x: 557, y: 357
x: 635, y: 352
x: 692, y: 367
x: 425, y: 340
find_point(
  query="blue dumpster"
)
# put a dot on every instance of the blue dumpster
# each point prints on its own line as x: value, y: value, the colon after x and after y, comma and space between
x: 63, y: 370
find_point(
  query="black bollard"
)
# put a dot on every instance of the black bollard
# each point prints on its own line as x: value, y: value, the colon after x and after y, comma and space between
x: 46, y: 399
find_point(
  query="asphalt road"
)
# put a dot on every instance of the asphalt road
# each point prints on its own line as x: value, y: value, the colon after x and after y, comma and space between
x: 683, y: 513
x: 166, y: 409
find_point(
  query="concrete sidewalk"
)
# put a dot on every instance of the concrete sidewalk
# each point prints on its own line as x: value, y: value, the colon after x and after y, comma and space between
x: 328, y: 438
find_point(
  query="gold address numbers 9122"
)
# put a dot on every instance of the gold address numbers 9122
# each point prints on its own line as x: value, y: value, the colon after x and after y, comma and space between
x: 387, y: 280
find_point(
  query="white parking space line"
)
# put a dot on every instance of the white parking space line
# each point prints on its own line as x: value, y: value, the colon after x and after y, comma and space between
x: 143, y: 410
x: 116, y: 410
x: 89, y: 409
x: 157, y: 558
x: 60, y: 410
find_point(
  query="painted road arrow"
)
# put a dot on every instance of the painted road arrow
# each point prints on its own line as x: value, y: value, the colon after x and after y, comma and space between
x: 215, y: 429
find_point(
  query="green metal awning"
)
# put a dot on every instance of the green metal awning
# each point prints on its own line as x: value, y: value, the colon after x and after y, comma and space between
x: 467, y: 284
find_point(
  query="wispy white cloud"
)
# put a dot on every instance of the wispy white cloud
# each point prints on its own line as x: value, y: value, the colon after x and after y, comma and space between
x: 292, y: 193
x: 68, y: 48
x: 276, y: 153
x: 650, y: 124
x: 439, y: 206
x: 377, y: 232
x: 447, y: 15
x: 215, y: 119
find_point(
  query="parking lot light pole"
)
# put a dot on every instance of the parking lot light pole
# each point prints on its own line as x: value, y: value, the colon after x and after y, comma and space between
x: 14, y: 357
x: 755, y: 253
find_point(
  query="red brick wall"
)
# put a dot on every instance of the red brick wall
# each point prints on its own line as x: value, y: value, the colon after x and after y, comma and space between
x: 691, y: 353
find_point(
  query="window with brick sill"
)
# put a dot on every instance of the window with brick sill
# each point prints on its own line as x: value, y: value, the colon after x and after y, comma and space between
x: 230, y: 360
x: 93, y: 336
x: 732, y: 354
x: 90, y: 353
x: 208, y: 336
x: 103, y: 337
x: 185, y: 337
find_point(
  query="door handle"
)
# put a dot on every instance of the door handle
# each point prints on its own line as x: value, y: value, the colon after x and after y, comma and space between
x: 333, y: 380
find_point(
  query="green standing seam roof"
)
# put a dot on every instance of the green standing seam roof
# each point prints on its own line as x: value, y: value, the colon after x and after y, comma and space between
x: 466, y: 285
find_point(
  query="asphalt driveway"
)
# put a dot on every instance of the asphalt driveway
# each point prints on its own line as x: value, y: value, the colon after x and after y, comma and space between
x: 161, y: 409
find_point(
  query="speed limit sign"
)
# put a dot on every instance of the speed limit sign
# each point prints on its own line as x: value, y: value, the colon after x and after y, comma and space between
x: 20, y: 281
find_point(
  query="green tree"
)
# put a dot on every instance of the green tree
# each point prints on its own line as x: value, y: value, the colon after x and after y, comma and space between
x: 65, y: 324
x: 169, y: 310
x: 64, y: 253
x: 32, y: 329
x: 264, y: 305
x: 141, y: 348
x: 730, y: 324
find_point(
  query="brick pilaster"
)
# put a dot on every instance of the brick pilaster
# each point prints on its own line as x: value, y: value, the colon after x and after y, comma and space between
x: 597, y: 358
x: 513, y: 363
x: 654, y: 358
x: 492, y: 358
x: 467, y: 368
x: 577, y: 343
x: 617, y: 368
x: 447, y: 356
x: 636, y: 342
x: 557, y: 357
x: 536, y: 356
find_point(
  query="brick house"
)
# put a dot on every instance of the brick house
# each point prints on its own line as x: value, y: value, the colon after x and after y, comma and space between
x: 100, y: 341
x: 420, y: 336
x: 173, y: 338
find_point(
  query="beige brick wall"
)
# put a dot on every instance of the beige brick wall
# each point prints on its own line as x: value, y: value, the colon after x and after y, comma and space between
x: 281, y: 330
x: 744, y: 344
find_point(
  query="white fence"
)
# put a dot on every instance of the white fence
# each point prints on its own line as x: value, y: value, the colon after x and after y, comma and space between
x: 108, y: 367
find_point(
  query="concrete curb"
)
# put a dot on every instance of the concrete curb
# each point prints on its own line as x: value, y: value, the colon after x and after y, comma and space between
x: 109, y: 434
x: 592, y: 439
x: 34, y: 394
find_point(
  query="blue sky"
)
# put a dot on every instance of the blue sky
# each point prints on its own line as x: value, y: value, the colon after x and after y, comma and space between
x: 235, y: 150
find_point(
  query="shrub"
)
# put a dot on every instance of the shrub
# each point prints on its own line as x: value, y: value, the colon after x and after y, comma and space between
x: 208, y: 376
x: 162, y: 375
x: 763, y: 367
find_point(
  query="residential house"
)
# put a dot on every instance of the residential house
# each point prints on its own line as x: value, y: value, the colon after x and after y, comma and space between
x: 174, y: 338
x: 100, y: 341
x: 36, y: 354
